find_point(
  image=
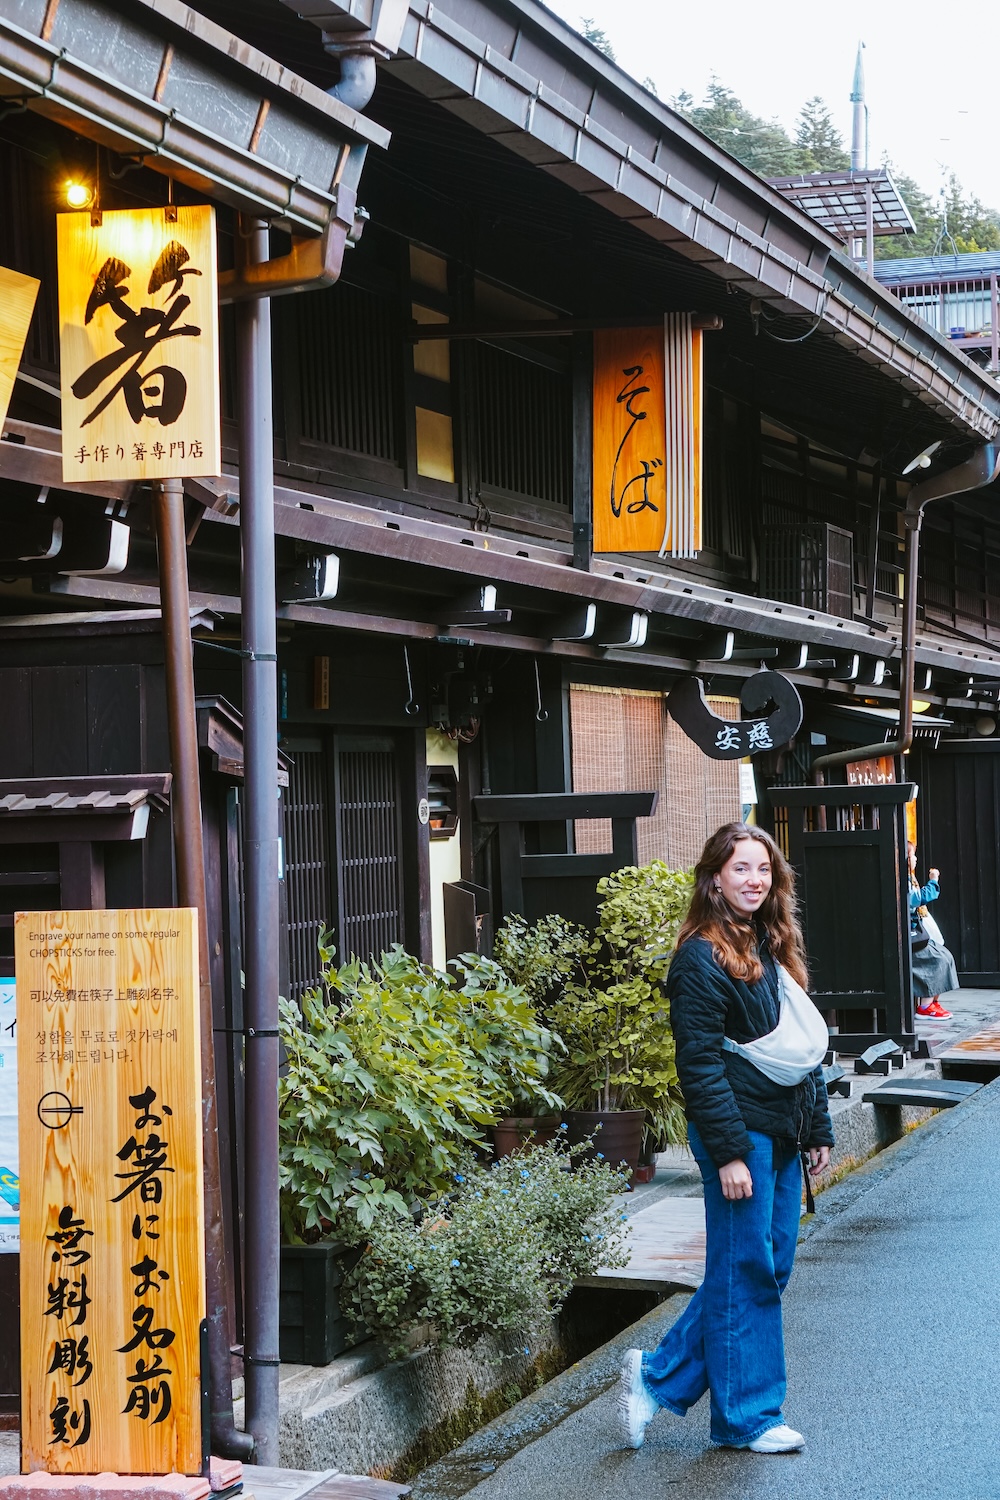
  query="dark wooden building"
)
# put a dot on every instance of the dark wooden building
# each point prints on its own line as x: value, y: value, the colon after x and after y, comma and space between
x: 473, y: 644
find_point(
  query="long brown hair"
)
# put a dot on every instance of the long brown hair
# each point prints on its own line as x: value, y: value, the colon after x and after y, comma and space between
x: 734, y: 942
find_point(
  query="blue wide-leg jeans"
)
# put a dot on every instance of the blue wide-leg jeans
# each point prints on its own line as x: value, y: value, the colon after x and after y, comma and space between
x: 729, y: 1340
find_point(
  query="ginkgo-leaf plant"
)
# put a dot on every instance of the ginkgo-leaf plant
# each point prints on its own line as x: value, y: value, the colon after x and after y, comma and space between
x: 604, y: 993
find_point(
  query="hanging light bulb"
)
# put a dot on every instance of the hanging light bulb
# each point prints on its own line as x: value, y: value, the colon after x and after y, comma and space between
x: 78, y: 194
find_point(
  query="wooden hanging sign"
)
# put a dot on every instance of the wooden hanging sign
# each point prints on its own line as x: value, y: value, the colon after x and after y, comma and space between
x: 17, y: 303
x: 138, y: 338
x: 772, y: 712
x: 647, y: 443
x: 112, y: 1219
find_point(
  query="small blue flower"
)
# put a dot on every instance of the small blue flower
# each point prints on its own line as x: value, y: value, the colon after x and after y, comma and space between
x: 563, y: 1127
x: 526, y: 1350
x: 600, y: 1236
x: 456, y: 1262
x: 459, y: 1177
x: 623, y: 1217
x: 524, y: 1173
x: 505, y: 1192
x: 410, y: 1267
x: 600, y: 1156
x: 586, y: 1239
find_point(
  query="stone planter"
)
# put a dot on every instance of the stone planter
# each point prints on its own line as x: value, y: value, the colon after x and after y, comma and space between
x: 518, y: 1131
x: 619, y: 1138
x: 312, y: 1330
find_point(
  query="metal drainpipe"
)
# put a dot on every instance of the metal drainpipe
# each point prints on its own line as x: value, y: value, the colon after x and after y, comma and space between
x: 261, y: 853
x: 357, y: 78
x: 185, y: 801
x: 979, y: 470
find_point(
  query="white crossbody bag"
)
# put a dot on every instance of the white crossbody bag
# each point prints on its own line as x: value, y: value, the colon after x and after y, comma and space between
x: 797, y: 1044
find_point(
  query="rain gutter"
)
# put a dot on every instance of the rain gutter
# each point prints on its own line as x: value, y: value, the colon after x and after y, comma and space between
x: 157, y: 81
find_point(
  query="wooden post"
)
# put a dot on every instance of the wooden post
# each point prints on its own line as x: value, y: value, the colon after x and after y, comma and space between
x: 583, y: 458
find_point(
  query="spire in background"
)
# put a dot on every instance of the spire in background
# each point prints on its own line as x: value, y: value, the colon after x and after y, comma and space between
x: 859, y: 127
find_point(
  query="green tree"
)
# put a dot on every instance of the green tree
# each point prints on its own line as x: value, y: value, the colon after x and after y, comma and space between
x: 597, y: 36
x: 941, y: 219
x: 762, y: 145
x: 818, y: 139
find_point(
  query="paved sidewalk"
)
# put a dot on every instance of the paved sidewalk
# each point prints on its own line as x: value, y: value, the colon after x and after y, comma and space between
x: 893, y: 1358
x: 668, y: 1220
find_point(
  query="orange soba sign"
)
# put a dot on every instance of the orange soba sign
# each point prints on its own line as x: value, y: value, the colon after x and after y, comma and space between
x: 647, y: 438
x: 112, y: 1222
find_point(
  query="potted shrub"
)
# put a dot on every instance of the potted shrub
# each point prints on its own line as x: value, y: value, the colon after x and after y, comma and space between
x: 393, y: 1071
x: 497, y: 1256
x: 603, y: 993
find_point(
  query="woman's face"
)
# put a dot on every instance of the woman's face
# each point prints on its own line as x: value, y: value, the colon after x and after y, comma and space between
x: 745, y: 878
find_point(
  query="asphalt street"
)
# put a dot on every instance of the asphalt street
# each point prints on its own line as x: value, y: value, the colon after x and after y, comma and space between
x: 892, y: 1324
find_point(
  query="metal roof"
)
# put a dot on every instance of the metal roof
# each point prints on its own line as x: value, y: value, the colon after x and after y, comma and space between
x: 910, y: 270
x: 156, y: 80
x: 839, y: 201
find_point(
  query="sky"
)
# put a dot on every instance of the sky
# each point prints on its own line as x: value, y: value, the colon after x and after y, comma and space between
x: 929, y: 95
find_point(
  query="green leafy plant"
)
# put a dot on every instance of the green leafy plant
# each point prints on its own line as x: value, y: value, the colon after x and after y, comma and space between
x: 603, y: 993
x: 393, y: 1070
x: 497, y: 1256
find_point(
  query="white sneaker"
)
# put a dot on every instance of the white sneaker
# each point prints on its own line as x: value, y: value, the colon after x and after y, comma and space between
x: 777, y: 1440
x: 636, y: 1406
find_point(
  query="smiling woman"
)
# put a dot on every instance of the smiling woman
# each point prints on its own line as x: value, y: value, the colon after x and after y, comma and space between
x: 749, y: 1045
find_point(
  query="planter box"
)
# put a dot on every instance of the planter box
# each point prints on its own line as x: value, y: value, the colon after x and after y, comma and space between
x: 518, y: 1131
x: 617, y: 1135
x: 312, y: 1330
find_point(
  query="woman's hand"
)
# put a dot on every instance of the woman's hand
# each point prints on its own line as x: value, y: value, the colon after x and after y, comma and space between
x: 819, y: 1159
x: 735, y: 1180
x: 934, y: 875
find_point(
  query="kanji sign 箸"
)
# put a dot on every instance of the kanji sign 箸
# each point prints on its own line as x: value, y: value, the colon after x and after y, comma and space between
x: 138, y: 332
x: 112, y: 1222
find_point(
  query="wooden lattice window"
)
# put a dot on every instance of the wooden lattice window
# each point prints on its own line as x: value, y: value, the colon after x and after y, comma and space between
x: 307, y: 865
x: 525, y: 427
x: 368, y: 838
x: 347, y: 354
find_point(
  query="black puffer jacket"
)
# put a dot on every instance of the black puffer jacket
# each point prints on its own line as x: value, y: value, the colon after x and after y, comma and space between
x: 724, y: 1094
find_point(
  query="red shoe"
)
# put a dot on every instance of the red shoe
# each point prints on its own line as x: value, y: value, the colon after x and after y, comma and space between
x: 934, y: 1009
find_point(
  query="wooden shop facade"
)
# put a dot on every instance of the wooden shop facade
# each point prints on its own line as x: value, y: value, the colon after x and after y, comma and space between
x: 449, y: 641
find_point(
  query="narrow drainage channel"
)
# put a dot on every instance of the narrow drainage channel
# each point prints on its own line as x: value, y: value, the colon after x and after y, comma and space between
x: 592, y: 1318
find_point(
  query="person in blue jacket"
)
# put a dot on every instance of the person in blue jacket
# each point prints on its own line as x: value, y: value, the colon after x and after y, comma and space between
x: 934, y: 971
x: 749, y: 1135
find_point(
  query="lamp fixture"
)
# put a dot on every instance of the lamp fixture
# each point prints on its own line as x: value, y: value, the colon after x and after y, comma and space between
x: 78, y: 194
x: 923, y: 460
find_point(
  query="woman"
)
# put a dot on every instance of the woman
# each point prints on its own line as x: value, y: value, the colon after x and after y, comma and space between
x: 933, y: 967
x: 746, y: 1132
